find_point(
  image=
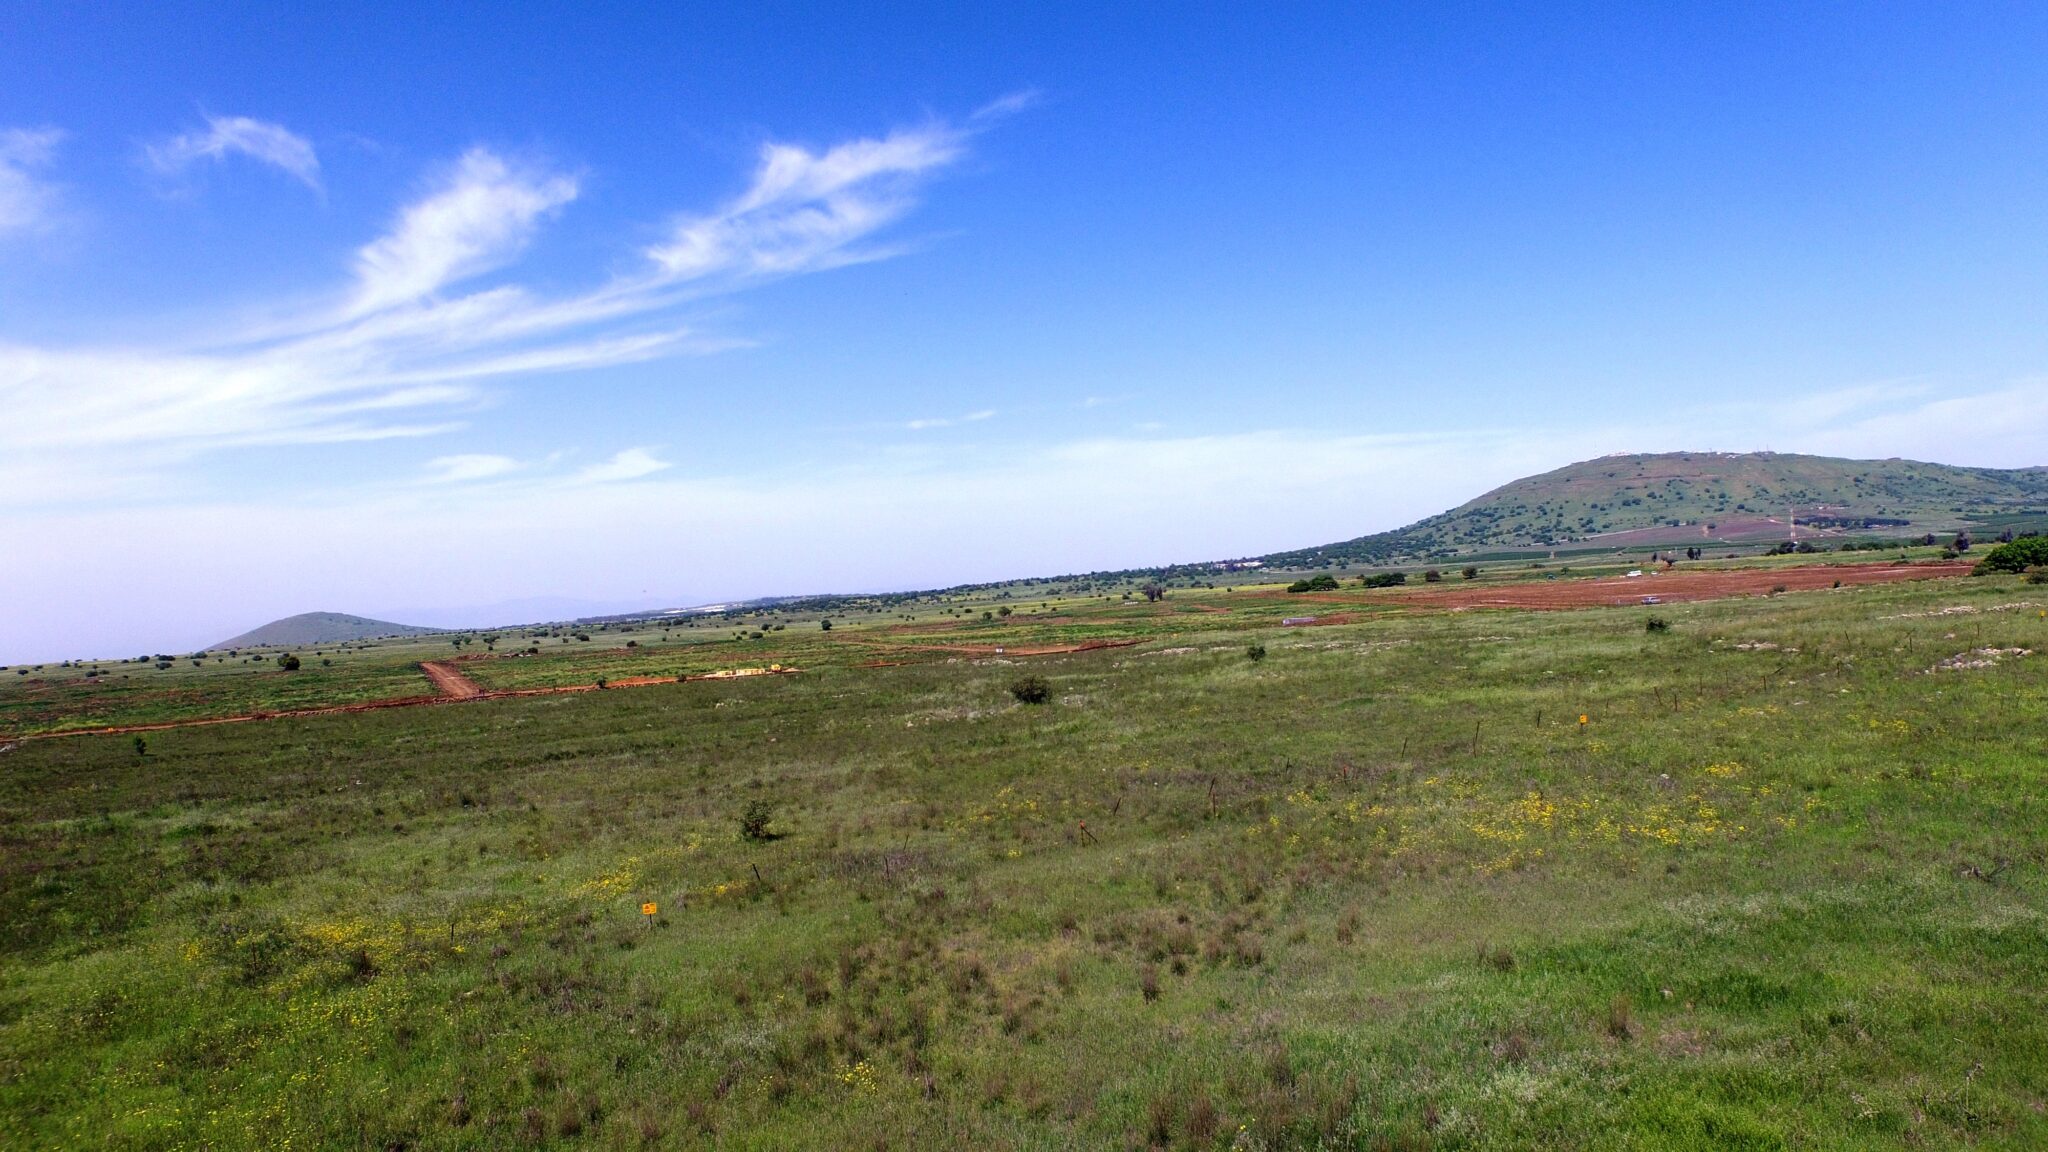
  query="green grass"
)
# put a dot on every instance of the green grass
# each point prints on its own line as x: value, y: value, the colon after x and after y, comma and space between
x: 1381, y: 889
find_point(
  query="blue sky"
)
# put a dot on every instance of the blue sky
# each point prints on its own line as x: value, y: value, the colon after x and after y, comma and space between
x: 417, y: 314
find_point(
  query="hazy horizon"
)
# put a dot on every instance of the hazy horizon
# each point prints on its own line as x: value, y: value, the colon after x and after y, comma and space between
x: 682, y: 307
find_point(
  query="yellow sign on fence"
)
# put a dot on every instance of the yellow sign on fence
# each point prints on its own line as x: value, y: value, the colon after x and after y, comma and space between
x: 648, y: 909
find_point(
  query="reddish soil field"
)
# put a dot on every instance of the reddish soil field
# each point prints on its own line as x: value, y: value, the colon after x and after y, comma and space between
x: 1673, y: 586
x: 995, y: 649
x: 1670, y: 587
x: 453, y: 686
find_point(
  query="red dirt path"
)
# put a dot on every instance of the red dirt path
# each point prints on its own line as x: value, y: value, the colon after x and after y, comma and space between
x: 455, y: 688
x: 449, y: 682
x: 1674, y: 586
x: 1671, y: 587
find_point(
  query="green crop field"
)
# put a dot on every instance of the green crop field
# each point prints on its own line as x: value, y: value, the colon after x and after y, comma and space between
x: 1379, y: 888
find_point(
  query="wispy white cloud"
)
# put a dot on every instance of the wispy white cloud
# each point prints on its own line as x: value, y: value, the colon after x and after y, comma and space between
x: 260, y: 140
x: 26, y: 200
x: 631, y: 464
x: 462, y: 469
x: 477, y: 218
x: 950, y: 421
x: 1008, y: 105
x: 808, y: 210
x: 411, y: 342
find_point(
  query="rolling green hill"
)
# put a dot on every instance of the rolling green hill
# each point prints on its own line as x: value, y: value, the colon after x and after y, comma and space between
x: 320, y: 628
x: 1705, y: 499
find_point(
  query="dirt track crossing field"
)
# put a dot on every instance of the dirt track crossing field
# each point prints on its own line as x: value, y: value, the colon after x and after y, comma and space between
x: 451, y: 686
x: 449, y: 682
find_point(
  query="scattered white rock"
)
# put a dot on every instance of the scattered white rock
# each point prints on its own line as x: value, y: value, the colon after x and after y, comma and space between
x: 1979, y: 658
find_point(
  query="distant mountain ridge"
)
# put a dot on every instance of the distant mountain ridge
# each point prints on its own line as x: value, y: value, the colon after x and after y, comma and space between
x: 320, y: 628
x: 1703, y: 499
x: 1643, y: 500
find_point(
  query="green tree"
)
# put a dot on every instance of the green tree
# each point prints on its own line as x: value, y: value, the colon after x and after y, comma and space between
x: 2018, y: 556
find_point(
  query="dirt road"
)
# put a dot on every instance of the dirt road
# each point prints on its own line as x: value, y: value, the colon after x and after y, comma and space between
x: 449, y: 682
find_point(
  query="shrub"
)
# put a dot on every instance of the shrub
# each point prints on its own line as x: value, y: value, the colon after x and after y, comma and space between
x: 1471, y: 572
x: 288, y: 662
x: 1621, y: 1022
x: 2038, y: 576
x: 1432, y: 577
x: 1383, y: 580
x: 1320, y: 583
x: 1255, y: 653
x: 1032, y: 690
x: 2018, y: 556
x: 1656, y: 624
x: 824, y: 625
x: 754, y: 821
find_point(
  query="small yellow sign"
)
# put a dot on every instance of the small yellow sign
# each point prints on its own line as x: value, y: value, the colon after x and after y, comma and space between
x: 648, y: 909
x: 1582, y: 720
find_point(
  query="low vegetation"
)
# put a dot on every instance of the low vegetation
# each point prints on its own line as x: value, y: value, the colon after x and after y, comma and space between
x: 1771, y: 878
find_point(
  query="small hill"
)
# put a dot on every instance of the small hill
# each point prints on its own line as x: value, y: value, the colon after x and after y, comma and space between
x: 1704, y: 499
x: 319, y: 628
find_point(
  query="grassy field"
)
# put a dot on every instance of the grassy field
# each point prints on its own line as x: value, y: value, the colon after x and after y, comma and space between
x: 1382, y: 888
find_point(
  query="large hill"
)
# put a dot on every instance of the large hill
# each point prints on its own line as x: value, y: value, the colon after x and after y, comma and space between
x: 319, y: 628
x: 1705, y: 498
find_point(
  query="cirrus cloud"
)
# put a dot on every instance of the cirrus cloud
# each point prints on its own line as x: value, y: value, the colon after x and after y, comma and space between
x: 260, y: 140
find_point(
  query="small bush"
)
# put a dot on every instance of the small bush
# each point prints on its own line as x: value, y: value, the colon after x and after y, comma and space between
x: 1383, y: 580
x: 1032, y: 690
x: 1255, y: 653
x: 754, y: 821
x: 288, y: 662
x: 1321, y: 583
x: 1471, y: 572
x: 2038, y: 577
x: 1656, y: 624
x: 1432, y: 577
x: 1621, y: 1021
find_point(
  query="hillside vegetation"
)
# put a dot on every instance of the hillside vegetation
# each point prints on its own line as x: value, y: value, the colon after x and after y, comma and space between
x: 1747, y: 873
x: 1706, y: 499
x: 320, y: 628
